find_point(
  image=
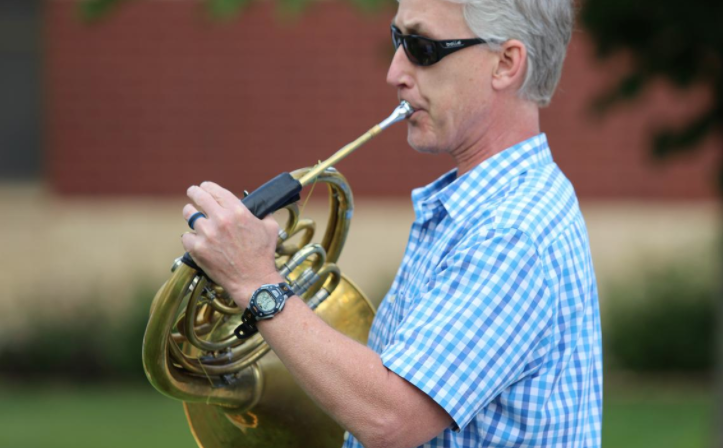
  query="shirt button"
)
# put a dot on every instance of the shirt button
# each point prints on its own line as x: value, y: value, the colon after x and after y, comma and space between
x: 391, y: 298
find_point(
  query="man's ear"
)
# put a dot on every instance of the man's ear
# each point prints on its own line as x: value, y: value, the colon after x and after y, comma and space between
x: 511, y: 66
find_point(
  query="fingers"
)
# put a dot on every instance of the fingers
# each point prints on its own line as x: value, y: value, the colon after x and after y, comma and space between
x: 220, y: 206
x: 193, y: 244
x: 224, y: 197
x: 205, y: 202
x: 189, y: 211
x: 271, y: 223
x: 189, y: 240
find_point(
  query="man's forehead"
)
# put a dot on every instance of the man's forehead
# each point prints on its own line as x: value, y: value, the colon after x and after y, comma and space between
x: 432, y: 18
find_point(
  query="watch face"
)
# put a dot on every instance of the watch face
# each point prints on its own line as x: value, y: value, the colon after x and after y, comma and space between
x: 265, y: 301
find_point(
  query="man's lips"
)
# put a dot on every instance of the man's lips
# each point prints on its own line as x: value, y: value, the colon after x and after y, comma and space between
x: 414, y: 117
x: 416, y: 113
x: 414, y: 105
x: 415, y: 109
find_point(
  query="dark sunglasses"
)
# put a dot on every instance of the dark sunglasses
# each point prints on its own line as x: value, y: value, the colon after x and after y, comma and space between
x: 424, y: 51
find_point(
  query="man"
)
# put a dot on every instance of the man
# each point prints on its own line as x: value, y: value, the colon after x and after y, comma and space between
x: 490, y: 333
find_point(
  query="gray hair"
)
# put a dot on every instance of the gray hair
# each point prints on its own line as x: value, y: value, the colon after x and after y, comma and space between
x: 543, y: 26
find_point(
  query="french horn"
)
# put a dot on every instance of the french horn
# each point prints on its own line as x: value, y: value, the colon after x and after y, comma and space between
x: 236, y: 392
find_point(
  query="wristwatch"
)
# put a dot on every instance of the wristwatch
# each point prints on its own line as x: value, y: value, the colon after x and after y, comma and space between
x: 265, y: 303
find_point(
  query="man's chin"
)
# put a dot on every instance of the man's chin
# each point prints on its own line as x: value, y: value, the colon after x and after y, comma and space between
x: 422, y: 145
x: 425, y: 150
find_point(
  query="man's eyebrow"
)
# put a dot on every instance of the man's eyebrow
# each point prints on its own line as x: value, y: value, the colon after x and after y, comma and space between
x: 413, y: 27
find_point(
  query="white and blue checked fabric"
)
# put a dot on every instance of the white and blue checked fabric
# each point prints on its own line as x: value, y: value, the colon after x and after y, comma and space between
x: 494, y: 310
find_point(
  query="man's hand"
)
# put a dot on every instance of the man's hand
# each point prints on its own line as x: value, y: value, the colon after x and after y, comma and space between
x: 231, y: 245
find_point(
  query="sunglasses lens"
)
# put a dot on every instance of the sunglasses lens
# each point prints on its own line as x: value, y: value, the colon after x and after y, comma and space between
x: 421, y: 51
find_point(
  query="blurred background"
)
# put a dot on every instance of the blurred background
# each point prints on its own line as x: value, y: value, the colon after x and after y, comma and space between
x: 110, y: 109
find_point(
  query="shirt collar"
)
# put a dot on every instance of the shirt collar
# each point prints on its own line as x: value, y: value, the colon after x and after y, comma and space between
x: 456, y: 196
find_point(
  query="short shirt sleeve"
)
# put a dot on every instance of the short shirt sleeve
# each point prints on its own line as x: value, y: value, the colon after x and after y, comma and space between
x: 472, y: 330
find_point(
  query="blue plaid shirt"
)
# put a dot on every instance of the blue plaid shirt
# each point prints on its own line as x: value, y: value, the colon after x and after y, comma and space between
x: 494, y: 310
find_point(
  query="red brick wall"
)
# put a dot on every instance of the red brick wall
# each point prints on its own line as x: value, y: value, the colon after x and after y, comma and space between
x: 158, y: 96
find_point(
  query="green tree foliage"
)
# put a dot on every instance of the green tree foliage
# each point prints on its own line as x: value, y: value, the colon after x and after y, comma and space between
x: 86, y: 345
x: 92, y: 10
x: 680, y: 42
x: 663, y: 321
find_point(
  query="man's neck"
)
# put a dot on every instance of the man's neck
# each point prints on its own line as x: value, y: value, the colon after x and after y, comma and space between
x: 504, y: 130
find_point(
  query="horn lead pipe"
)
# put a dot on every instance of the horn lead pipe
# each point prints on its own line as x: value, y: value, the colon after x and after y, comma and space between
x: 284, y: 189
x: 403, y: 111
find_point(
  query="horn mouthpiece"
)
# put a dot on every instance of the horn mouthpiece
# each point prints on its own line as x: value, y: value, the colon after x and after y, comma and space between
x: 402, y: 112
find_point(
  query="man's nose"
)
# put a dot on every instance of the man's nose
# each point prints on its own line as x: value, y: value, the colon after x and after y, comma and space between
x: 399, y: 74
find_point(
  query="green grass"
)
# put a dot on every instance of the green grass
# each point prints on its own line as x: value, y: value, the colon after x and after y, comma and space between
x: 91, y: 417
x: 137, y: 416
x: 658, y: 416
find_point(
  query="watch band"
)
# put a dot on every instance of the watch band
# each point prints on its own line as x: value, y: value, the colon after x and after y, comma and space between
x: 247, y: 328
